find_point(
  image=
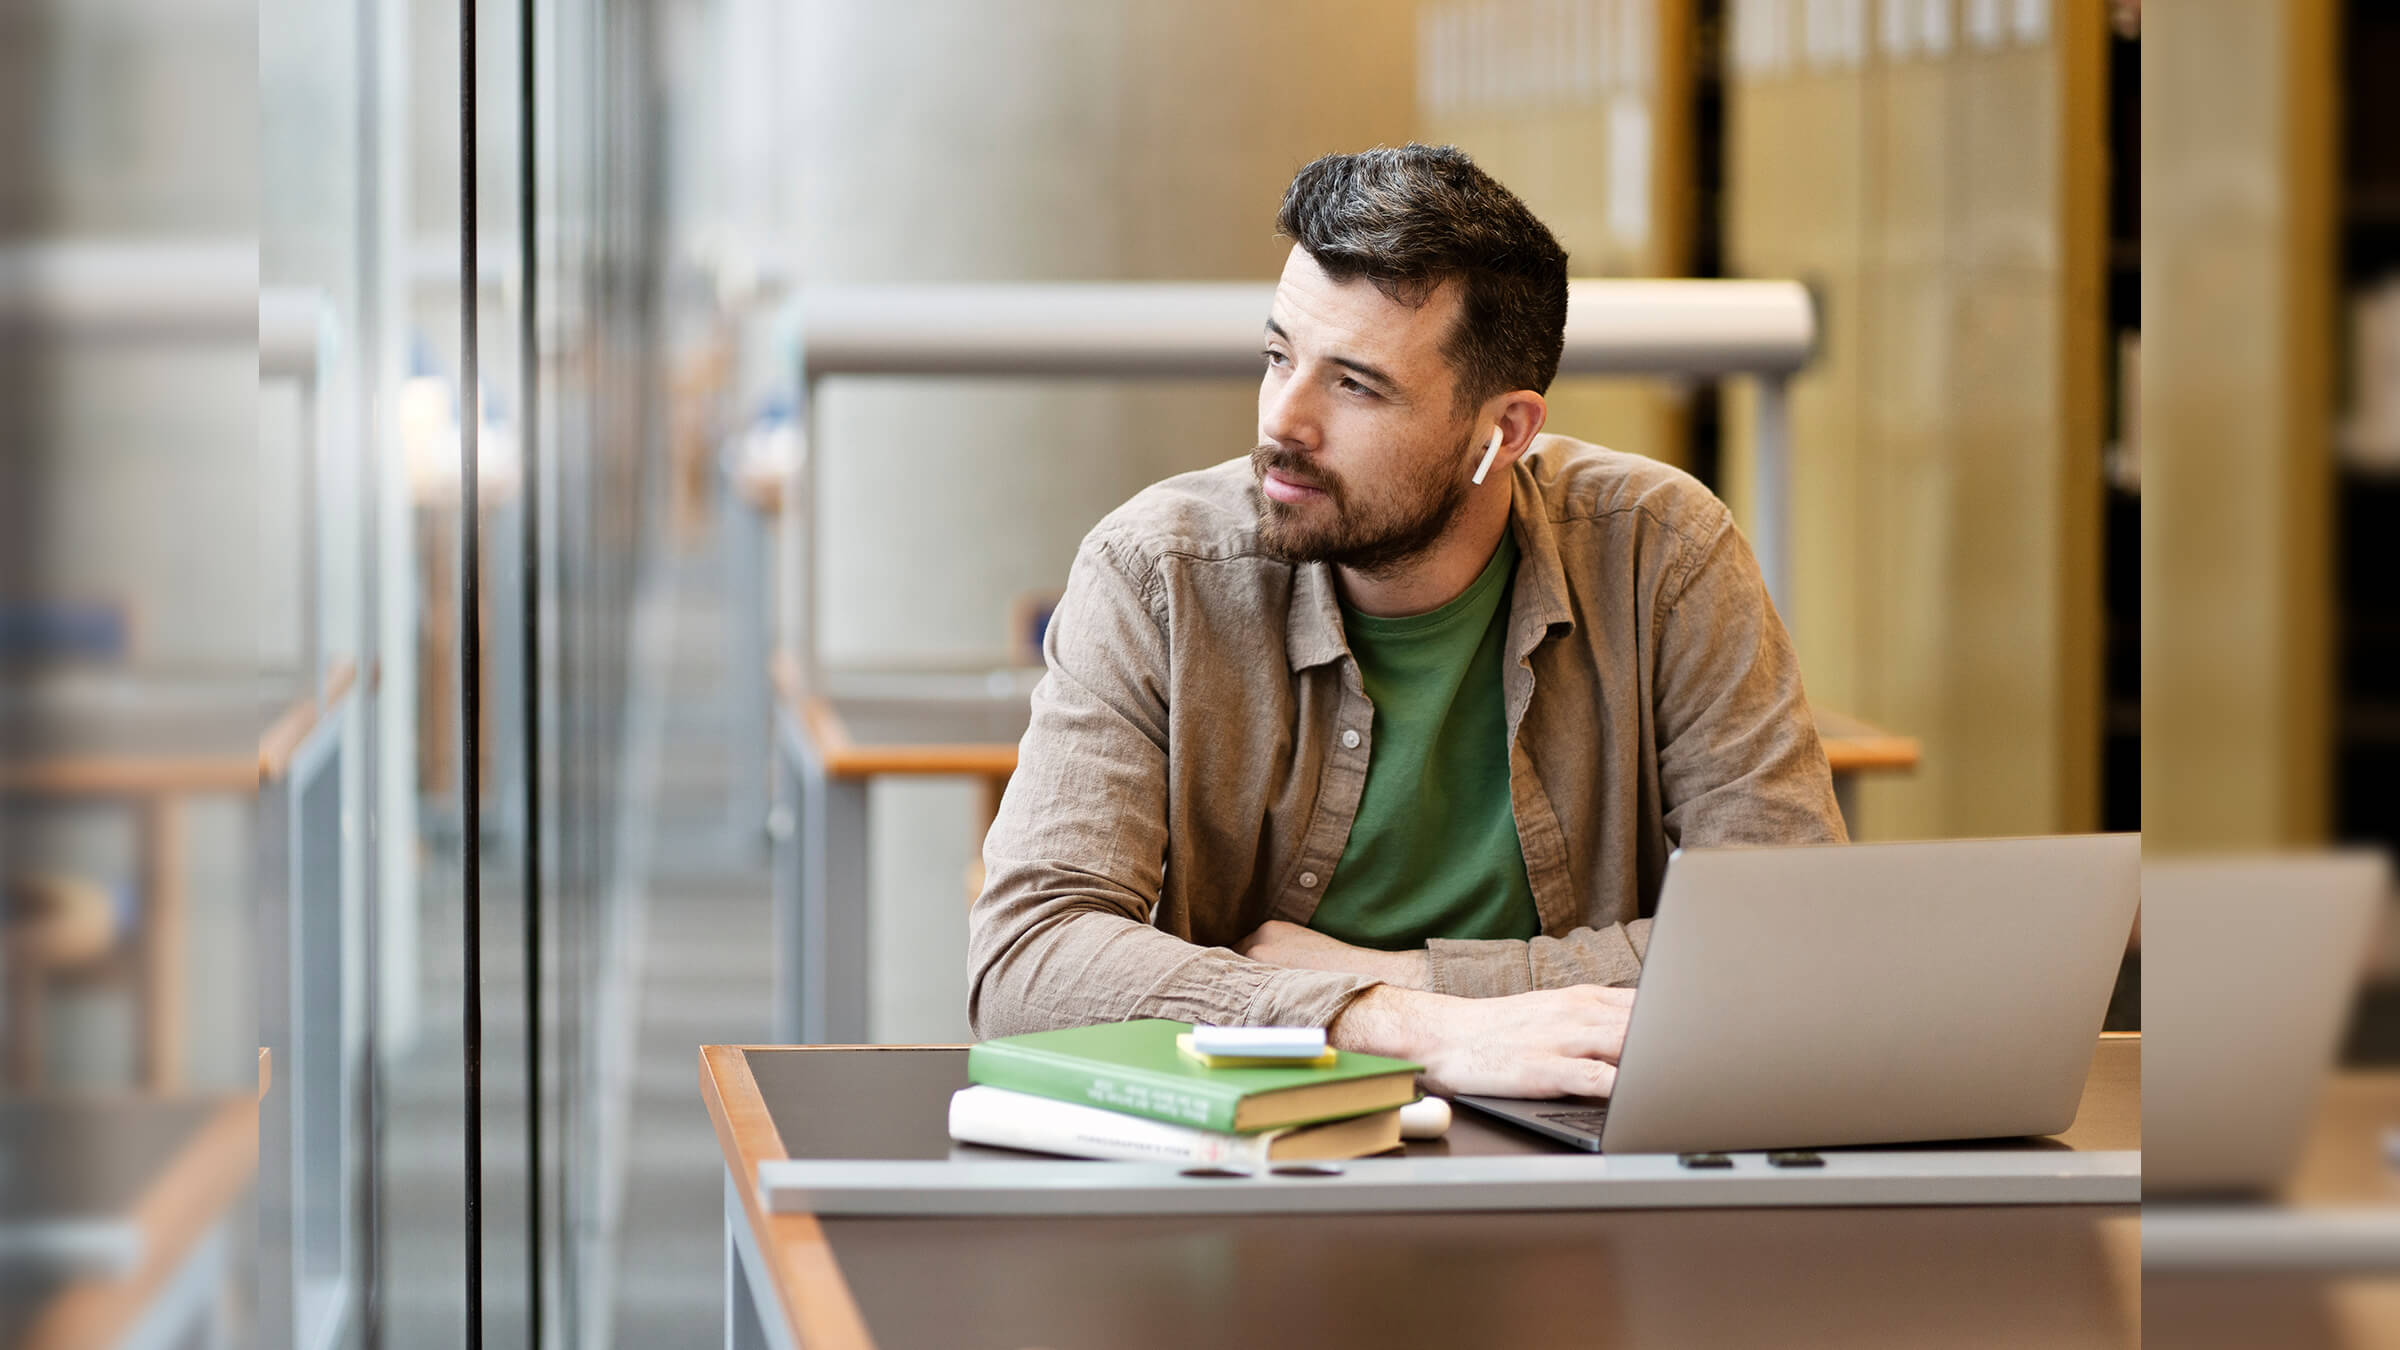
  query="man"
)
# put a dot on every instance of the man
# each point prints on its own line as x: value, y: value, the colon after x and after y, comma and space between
x: 1383, y: 728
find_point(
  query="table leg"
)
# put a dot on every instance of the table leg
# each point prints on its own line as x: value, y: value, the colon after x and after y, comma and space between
x: 161, y: 997
x: 783, y: 829
x: 745, y: 1324
x: 833, y: 906
x: 746, y: 665
x: 820, y: 828
x: 27, y: 1028
x: 190, y: 1311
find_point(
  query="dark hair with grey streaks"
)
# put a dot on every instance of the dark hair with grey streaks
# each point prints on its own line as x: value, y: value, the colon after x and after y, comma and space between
x: 1412, y: 218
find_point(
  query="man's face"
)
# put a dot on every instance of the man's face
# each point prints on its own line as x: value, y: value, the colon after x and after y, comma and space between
x: 1363, y: 454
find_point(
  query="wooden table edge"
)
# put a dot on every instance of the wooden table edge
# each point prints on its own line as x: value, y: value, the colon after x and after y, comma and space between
x: 1860, y: 754
x: 173, y: 1215
x: 844, y: 758
x: 818, y: 1308
x: 284, y: 736
x: 136, y: 774
x: 1855, y: 745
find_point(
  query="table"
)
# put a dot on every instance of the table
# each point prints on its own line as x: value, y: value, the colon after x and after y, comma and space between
x: 152, y: 744
x: 2319, y: 1265
x: 828, y: 748
x: 750, y: 497
x: 1854, y: 746
x: 2003, y: 1275
x: 154, y: 1179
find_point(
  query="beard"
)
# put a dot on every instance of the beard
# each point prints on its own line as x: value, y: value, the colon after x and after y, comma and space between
x: 1374, y: 536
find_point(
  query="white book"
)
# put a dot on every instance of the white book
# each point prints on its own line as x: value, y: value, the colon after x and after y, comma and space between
x: 1261, y: 1042
x: 997, y: 1116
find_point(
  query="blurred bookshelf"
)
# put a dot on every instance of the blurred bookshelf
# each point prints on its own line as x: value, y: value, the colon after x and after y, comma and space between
x: 2366, y: 578
x: 2121, y: 517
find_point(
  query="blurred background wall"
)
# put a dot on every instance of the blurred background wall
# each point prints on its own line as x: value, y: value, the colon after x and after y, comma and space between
x: 1038, y: 140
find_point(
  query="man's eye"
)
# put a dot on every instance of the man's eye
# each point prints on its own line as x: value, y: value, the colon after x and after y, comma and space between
x: 1356, y: 388
x: 1273, y: 357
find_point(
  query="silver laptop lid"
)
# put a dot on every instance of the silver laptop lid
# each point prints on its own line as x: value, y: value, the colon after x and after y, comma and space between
x: 1873, y: 993
x: 2254, y: 962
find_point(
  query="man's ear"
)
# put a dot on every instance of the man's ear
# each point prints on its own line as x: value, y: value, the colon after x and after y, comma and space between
x: 1519, y: 416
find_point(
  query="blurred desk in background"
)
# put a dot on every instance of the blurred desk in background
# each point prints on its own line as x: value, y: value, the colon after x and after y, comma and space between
x: 500, y: 608
x: 828, y: 750
x: 114, y: 1217
x: 150, y: 744
x: 750, y: 501
x: 1854, y: 747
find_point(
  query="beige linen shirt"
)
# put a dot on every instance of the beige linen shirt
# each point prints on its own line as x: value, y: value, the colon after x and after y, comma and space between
x: 1201, y: 738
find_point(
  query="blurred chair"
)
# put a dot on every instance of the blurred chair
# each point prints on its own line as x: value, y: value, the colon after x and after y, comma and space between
x: 61, y: 927
x: 1028, y: 622
x: 52, y: 633
x: 57, y: 925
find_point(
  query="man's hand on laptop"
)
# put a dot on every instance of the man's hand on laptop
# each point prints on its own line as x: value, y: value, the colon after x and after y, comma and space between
x: 1548, y: 1043
x: 1299, y: 947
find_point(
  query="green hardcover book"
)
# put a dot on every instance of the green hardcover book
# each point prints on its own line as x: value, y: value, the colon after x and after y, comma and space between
x: 1134, y: 1067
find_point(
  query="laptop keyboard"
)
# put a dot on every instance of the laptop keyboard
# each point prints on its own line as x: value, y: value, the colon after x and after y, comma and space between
x: 1588, y: 1120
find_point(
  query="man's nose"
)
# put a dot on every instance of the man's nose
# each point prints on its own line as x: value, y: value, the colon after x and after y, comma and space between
x: 1287, y: 414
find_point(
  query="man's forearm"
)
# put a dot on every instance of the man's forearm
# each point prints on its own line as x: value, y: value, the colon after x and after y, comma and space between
x: 1298, y: 947
x: 1385, y: 1020
x: 1089, y: 965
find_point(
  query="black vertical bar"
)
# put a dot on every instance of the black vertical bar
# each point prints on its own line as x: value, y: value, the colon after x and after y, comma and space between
x: 470, y: 673
x: 529, y: 391
x: 372, y: 246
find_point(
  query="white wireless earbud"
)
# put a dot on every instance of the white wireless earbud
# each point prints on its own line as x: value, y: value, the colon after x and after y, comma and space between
x: 1488, y: 451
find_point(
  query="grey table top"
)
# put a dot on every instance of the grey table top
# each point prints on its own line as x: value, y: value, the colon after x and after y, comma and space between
x: 2036, y: 1275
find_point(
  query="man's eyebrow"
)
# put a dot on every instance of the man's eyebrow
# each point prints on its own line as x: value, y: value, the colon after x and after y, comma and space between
x: 1375, y: 373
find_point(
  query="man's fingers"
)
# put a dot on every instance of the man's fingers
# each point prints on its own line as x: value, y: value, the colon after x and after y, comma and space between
x: 1586, y: 1077
x: 1595, y: 1043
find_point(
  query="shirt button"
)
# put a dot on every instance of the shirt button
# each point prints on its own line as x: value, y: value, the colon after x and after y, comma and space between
x: 1350, y: 739
x: 1308, y: 880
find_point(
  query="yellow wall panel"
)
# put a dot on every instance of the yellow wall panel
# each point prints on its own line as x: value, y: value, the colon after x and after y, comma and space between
x: 2237, y: 150
x: 1551, y: 94
x: 1945, y: 447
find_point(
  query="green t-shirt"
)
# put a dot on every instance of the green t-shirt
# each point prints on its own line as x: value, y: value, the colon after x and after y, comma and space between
x: 1434, y: 853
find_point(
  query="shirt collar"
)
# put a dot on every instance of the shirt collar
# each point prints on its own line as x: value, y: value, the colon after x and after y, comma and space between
x: 1538, y: 607
x: 1312, y: 633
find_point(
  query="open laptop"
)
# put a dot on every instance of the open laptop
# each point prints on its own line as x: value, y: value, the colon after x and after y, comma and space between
x: 1799, y: 998
x: 2255, y: 965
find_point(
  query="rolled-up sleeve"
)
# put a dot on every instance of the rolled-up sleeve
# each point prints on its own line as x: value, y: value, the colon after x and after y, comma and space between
x: 1074, y: 863
x: 1739, y: 761
x: 1496, y: 967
